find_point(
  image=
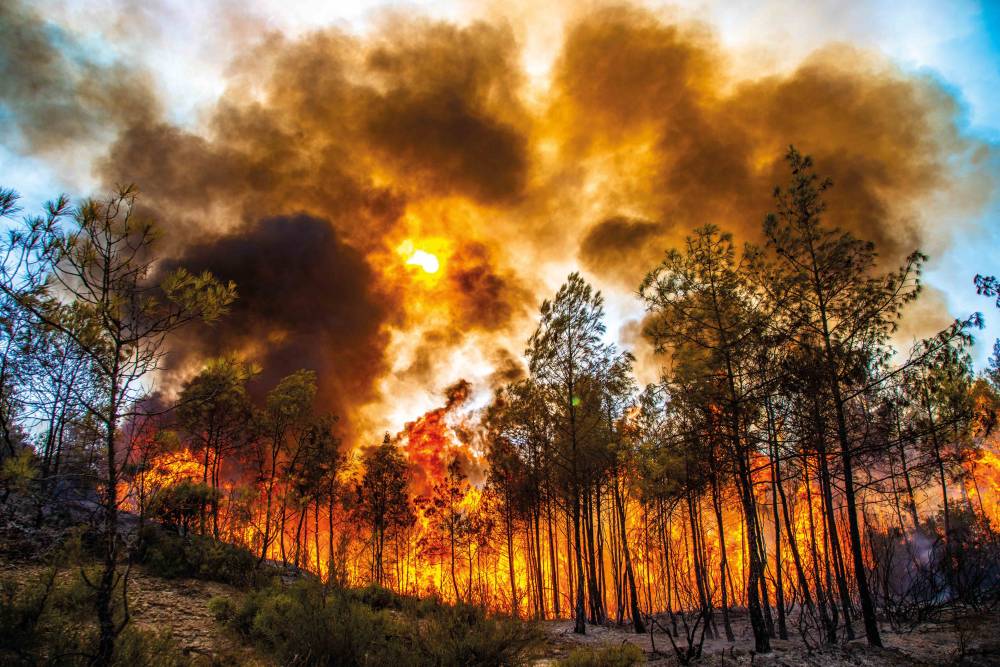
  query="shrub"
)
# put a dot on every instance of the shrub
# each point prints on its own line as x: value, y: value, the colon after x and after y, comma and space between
x: 163, y: 553
x: 223, y: 562
x: 221, y: 608
x: 45, y: 620
x: 170, y: 556
x: 306, y: 624
x: 19, y: 471
x: 377, y: 597
x: 466, y: 635
x: 21, y: 609
x: 138, y: 647
x: 622, y: 655
x: 179, y: 505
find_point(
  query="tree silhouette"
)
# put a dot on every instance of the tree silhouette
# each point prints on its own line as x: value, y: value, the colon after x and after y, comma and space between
x: 382, y: 498
x: 101, y: 289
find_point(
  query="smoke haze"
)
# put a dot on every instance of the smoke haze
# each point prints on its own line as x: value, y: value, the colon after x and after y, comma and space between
x: 331, y: 156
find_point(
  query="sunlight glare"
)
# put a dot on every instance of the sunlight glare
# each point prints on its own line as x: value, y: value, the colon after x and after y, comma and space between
x: 425, y: 260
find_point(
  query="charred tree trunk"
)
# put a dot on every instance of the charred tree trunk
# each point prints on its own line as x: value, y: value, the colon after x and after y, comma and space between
x: 509, y: 525
x: 580, y: 624
x: 723, y: 557
x: 553, y: 566
x: 637, y: 622
x: 830, y: 522
x: 779, y: 589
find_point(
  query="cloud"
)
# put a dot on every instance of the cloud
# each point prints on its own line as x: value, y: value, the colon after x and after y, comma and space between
x: 328, y: 150
x: 306, y: 300
x: 55, y: 91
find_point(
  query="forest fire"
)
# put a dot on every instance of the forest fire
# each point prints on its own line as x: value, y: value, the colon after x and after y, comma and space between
x: 706, y: 391
x: 982, y: 483
x: 431, y: 444
x: 159, y: 474
x: 449, y: 550
x: 570, y: 495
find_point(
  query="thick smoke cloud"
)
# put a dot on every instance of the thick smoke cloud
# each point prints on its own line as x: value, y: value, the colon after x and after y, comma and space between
x: 695, y: 146
x: 56, y: 92
x: 354, y: 134
x: 329, y: 152
x: 277, y: 323
x: 619, y: 241
x: 485, y: 298
x: 446, y: 120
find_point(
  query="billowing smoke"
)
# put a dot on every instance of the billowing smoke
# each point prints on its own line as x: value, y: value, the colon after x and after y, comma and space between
x: 278, y: 324
x: 655, y: 102
x: 55, y: 91
x: 331, y: 158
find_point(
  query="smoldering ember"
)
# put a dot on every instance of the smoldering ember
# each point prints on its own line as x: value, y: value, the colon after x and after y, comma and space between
x: 464, y: 332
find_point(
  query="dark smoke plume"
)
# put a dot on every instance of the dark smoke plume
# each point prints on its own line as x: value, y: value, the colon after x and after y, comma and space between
x: 280, y: 324
x: 328, y: 151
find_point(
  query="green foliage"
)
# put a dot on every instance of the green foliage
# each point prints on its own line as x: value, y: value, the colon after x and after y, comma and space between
x: 48, y: 619
x: 377, y: 597
x: 466, y: 635
x: 308, y: 624
x: 305, y: 626
x: 179, y: 504
x: 289, y: 402
x: 171, y: 556
x: 138, y: 647
x: 623, y: 655
x: 221, y: 608
x: 21, y: 609
x: 18, y: 471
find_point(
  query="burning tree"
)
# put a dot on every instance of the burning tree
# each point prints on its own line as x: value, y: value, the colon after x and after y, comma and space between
x: 568, y: 360
x: 383, y: 500
x: 283, y: 422
x: 215, y: 411
x: 706, y: 314
x: 448, y: 518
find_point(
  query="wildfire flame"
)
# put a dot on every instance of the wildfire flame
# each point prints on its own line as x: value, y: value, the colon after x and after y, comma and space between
x: 421, y: 560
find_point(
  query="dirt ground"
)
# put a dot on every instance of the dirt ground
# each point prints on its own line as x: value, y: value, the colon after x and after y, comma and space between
x: 181, y: 606
x: 976, y: 644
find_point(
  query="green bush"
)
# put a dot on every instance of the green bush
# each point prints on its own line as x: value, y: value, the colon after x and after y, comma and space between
x: 21, y: 610
x: 221, y: 608
x: 163, y: 553
x: 621, y: 655
x: 305, y: 626
x: 137, y: 647
x: 223, y: 562
x: 179, y: 505
x: 309, y: 625
x: 170, y: 556
x: 45, y: 620
x: 453, y: 636
x: 377, y: 597
x: 76, y: 596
